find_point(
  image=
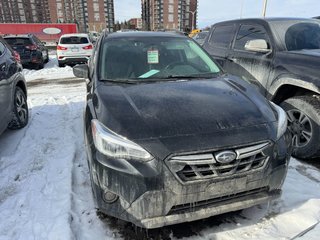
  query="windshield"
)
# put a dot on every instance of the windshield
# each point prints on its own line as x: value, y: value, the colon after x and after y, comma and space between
x: 201, y: 35
x: 144, y: 58
x: 298, y: 34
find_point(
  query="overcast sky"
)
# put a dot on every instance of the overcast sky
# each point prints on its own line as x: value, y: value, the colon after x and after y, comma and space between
x: 211, y: 11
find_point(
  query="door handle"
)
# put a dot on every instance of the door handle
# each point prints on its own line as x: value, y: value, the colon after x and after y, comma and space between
x: 231, y: 58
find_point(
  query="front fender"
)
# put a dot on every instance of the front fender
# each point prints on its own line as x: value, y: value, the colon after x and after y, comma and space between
x: 293, y: 81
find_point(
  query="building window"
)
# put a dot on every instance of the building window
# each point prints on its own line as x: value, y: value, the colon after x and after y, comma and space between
x: 170, y: 8
x: 96, y: 7
x: 170, y: 17
x: 96, y: 17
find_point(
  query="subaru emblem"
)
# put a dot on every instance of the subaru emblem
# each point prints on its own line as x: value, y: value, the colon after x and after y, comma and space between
x: 225, y: 156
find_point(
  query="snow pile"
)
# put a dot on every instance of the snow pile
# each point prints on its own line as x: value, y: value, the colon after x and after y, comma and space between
x: 50, y: 71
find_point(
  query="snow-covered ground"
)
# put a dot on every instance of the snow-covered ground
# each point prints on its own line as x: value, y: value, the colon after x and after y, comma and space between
x: 45, y: 187
x: 50, y: 71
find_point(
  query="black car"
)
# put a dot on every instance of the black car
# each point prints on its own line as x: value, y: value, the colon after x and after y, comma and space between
x: 13, y: 90
x: 171, y: 138
x: 32, y: 51
x: 281, y: 57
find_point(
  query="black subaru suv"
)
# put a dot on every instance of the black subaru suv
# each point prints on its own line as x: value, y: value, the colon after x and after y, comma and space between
x: 13, y: 90
x: 32, y: 51
x: 281, y: 57
x: 171, y: 137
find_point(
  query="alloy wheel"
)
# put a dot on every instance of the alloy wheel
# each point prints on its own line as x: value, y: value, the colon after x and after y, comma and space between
x: 300, y: 126
x: 22, y: 107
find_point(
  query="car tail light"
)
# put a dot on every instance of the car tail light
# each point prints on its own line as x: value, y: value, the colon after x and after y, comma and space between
x: 88, y: 47
x: 32, y: 47
x: 61, y: 48
x: 16, y: 55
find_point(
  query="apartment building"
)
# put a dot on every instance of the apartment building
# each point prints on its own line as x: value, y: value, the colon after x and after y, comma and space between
x: 19, y: 11
x: 89, y: 15
x: 135, y: 23
x: 169, y: 14
x: 99, y: 14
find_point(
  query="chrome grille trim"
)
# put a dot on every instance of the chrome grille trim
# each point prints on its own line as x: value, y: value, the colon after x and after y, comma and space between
x: 203, y: 166
x: 249, y: 151
x: 193, y: 157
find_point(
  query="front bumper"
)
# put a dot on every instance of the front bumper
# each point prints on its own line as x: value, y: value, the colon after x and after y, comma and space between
x: 152, y: 196
x: 212, y: 208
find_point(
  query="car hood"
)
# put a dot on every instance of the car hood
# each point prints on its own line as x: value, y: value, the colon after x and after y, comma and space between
x: 197, y: 113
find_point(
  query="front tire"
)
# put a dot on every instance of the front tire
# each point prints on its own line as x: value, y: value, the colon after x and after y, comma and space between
x: 20, y: 110
x: 40, y: 65
x: 61, y: 64
x: 47, y: 59
x: 304, y: 123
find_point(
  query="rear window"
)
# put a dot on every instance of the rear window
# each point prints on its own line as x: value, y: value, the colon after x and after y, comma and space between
x: 74, y: 40
x: 18, y: 41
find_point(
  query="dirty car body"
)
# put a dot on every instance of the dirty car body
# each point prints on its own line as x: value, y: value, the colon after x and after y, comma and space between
x: 172, y: 138
x: 280, y: 57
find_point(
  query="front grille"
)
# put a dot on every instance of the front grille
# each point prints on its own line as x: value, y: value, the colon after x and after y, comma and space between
x: 204, y: 166
x: 191, y: 207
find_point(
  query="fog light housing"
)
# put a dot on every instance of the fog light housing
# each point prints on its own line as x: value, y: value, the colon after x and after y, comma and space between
x: 109, y: 197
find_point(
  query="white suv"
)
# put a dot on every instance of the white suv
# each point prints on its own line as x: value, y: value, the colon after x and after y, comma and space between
x: 74, y: 48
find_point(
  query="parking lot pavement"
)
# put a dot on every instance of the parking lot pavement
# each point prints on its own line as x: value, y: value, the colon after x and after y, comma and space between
x: 45, y: 188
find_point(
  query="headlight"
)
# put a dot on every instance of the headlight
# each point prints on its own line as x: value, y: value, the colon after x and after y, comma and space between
x: 113, y: 145
x: 282, y: 120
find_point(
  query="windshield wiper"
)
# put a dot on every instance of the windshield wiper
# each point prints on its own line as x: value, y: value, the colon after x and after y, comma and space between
x: 127, y: 81
x: 199, y: 75
x: 165, y: 78
x: 180, y: 77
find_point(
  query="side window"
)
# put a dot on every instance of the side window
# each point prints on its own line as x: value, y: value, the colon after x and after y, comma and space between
x: 249, y: 32
x: 2, y: 48
x: 222, y: 36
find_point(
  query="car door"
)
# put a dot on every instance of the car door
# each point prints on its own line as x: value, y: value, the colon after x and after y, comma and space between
x: 219, y: 42
x: 5, y: 92
x: 252, y: 66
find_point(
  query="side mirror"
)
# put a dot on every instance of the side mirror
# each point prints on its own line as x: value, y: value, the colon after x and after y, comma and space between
x: 257, y: 45
x: 81, y: 71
